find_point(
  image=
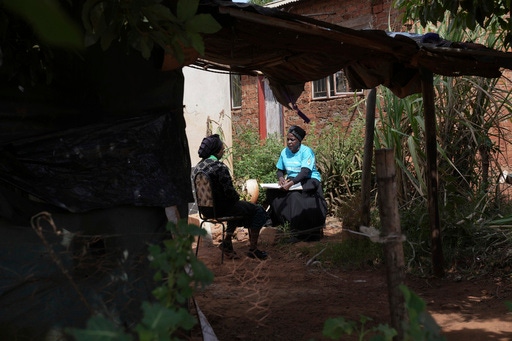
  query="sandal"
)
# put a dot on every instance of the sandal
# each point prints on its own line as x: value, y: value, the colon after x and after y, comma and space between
x: 257, y: 254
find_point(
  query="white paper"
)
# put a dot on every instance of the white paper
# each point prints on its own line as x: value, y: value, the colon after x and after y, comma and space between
x: 297, y: 186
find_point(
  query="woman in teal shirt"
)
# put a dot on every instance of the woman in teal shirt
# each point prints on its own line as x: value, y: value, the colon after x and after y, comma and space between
x: 305, y: 209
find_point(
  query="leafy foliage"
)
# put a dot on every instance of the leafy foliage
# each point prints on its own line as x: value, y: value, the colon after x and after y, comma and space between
x: 420, y: 324
x: 464, y: 14
x: 146, y: 23
x: 38, y: 38
x: 50, y: 22
x: 255, y: 159
x: 339, y: 155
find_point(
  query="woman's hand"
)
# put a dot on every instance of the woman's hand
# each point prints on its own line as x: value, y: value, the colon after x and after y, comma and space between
x: 282, y: 181
x: 287, y: 184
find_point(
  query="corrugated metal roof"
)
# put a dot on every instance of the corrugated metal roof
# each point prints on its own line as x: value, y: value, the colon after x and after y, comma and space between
x: 279, y: 3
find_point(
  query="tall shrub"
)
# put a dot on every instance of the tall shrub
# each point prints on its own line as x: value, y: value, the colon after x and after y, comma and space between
x: 339, y: 156
x: 469, y: 114
x: 255, y: 159
x: 469, y: 111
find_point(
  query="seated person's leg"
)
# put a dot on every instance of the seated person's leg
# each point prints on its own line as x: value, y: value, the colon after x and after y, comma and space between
x: 230, y: 231
x: 256, y: 218
x: 226, y: 245
x: 260, y: 217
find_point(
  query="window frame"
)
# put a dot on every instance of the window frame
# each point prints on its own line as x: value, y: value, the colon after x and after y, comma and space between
x: 235, y: 90
x: 329, y: 88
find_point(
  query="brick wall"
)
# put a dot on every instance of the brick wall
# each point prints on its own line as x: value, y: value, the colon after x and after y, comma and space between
x: 355, y: 14
x: 247, y: 116
x: 337, y: 111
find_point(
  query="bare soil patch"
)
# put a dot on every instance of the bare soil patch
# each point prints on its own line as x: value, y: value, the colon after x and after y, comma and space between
x: 284, y: 299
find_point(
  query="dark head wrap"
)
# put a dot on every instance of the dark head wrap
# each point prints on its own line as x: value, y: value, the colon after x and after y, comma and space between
x: 298, y: 132
x: 211, y: 145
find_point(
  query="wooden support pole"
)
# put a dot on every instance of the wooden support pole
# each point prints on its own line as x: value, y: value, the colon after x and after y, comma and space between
x: 262, y: 121
x: 391, y: 235
x: 427, y: 88
x: 366, y: 178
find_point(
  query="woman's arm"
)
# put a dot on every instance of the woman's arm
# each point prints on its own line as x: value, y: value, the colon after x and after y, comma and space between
x: 303, y: 174
x: 280, y: 177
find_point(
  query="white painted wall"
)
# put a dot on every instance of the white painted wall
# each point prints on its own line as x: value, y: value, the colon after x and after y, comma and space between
x: 206, y: 94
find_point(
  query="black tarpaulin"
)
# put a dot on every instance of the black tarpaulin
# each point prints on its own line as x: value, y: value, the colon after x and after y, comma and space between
x: 134, y: 161
x: 108, y: 131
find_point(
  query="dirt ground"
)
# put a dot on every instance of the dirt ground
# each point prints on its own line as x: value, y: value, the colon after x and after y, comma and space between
x: 283, y: 298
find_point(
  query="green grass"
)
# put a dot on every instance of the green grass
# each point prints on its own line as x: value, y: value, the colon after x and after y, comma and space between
x: 351, y: 253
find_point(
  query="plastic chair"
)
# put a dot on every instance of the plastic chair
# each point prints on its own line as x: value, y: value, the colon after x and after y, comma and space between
x: 207, y: 208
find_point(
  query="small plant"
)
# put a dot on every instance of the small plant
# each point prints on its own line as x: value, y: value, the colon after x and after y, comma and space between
x: 180, y: 273
x: 419, y: 325
x: 335, y: 328
x: 284, y: 232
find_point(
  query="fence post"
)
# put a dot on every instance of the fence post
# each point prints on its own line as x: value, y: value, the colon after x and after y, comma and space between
x: 366, y: 177
x: 391, y: 235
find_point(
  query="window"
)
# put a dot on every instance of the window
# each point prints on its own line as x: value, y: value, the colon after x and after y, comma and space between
x: 236, y: 90
x: 333, y: 86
